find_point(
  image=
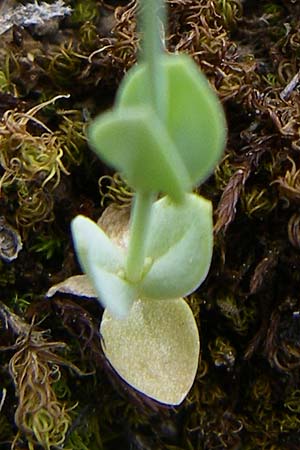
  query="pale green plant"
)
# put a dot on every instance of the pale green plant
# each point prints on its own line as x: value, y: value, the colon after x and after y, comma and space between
x: 165, y: 135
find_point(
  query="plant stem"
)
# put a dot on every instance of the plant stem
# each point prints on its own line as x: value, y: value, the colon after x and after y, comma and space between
x: 139, y: 230
x: 152, y: 15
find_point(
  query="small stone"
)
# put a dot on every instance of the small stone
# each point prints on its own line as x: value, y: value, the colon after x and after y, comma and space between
x: 10, y: 241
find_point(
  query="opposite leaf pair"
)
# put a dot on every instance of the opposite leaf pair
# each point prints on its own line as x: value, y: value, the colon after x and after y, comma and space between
x: 178, y: 255
x: 169, y: 155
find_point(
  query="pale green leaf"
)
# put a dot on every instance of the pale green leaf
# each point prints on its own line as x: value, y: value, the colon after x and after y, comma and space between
x: 135, y: 142
x: 155, y: 349
x: 114, y: 292
x: 103, y: 262
x: 88, y: 235
x: 180, y: 247
x: 194, y: 117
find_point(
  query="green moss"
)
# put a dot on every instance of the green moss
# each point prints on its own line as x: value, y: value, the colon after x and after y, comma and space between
x: 84, y: 11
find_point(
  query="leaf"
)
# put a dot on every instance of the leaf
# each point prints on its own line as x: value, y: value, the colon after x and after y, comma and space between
x: 180, y: 247
x: 103, y: 262
x: 134, y: 142
x: 194, y: 117
x: 78, y: 285
x: 114, y: 292
x: 155, y: 349
x: 178, y: 255
x: 87, y: 236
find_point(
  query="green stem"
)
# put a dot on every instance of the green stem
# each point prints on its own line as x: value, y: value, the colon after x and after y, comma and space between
x: 152, y: 16
x: 139, y: 230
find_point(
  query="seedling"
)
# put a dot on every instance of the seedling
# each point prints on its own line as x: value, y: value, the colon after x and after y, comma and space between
x: 165, y: 135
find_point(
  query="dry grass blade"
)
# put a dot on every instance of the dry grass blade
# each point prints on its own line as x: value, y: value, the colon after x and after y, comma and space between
x: 227, y: 206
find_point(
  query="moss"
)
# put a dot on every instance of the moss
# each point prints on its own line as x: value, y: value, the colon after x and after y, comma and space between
x: 246, y: 393
x: 84, y: 12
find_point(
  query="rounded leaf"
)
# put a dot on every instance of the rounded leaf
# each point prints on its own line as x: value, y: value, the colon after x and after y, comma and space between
x: 88, y: 235
x: 195, y: 119
x: 136, y: 143
x: 180, y: 246
x: 155, y: 349
x: 103, y: 262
